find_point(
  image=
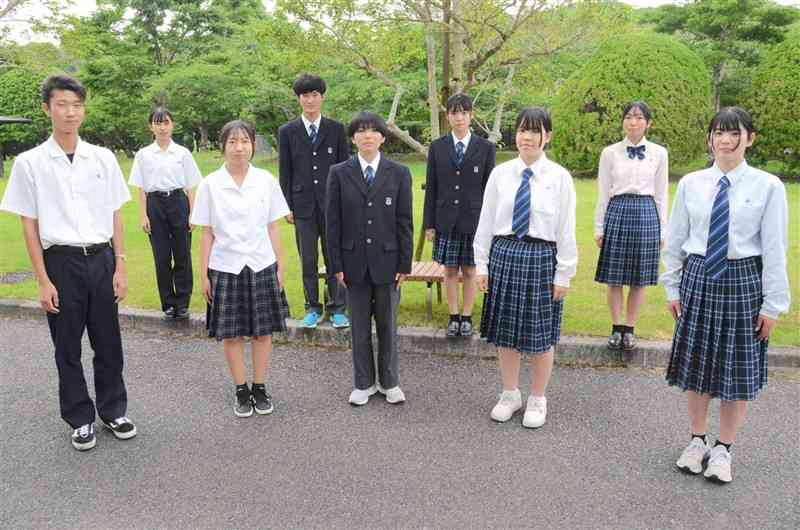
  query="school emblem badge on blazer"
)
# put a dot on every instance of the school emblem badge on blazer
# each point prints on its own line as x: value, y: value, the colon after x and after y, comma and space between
x: 475, y: 169
x: 388, y: 201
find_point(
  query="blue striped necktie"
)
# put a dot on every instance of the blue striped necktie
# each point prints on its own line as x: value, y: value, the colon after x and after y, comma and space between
x: 459, y: 153
x: 312, y: 133
x: 717, y: 251
x: 369, y: 176
x: 521, y: 221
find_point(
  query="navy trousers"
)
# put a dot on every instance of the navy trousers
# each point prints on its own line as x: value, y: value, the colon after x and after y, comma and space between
x: 172, y: 245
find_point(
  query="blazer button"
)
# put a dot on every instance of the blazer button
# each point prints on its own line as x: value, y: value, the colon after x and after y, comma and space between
x: 316, y: 181
x: 455, y: 201
x: 369, y: 241
x: 369, y: 221
x: 369, y: 204
x: 458, y: 172
x: 315, y: 167
x: 314, y: 153
x: 458, y: 187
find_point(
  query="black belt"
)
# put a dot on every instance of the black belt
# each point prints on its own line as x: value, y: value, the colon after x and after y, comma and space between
x: 88, y: 250
x: 527, y: 239
x: 164, y: 193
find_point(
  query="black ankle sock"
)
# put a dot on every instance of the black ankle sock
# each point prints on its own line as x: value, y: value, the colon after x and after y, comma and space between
x: 727, y: 446
x: 701, y: 436
x: 466, y: 318
x: 627, y: 329
x: 455, y: 318
x: 616, y: 328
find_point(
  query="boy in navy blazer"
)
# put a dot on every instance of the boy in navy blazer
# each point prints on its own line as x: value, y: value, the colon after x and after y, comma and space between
x: 370, y: 242
x: 459, y: 165
x: 307, y: 147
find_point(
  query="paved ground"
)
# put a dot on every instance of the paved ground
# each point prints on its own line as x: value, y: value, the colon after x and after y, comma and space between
x: 604, y: 459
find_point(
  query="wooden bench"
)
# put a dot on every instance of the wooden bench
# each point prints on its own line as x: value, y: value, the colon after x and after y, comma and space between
x: 429, y: 272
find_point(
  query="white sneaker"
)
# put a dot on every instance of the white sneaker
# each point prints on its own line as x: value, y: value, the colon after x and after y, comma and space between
x: 394, y: 395
x: 694, y: 456
x: 719, y: 465
x: 360, y: 397
x: 510, y: 402
x: 535, y: 412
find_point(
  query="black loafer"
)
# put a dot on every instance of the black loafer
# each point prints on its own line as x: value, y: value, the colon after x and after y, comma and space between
x: 453, y: 328
x: 182, y: 314
x: 466, y: 328
x: 169, y: 313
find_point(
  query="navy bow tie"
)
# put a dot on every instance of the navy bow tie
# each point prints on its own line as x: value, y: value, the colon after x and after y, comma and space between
x: 636, y: 152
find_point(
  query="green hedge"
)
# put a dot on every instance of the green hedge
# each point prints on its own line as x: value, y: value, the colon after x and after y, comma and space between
x: 657, y: 69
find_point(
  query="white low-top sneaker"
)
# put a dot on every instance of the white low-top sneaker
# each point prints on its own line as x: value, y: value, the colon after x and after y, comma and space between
x: 360, y: 397
x: 394, y: 395
x: 694, y: 456
x: 535, y: 412
x: 510, y: 402
x: 719, y: 465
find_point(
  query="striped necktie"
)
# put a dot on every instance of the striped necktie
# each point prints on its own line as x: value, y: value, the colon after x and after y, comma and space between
x: 312, y: 133
x: 520, y: 223
x: 369, y: 176
x: 716, y: 262
x: 459, y: 153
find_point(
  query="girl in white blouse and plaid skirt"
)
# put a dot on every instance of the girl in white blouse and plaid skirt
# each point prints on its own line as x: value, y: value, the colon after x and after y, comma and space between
x: 525, y: 255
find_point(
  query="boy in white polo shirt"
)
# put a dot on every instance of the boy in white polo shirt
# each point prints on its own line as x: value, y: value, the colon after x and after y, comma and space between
x: 68, y: 194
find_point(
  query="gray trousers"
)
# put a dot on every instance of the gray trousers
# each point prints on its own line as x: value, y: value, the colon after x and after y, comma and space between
x: 381, y: 301
x: 308, y: 232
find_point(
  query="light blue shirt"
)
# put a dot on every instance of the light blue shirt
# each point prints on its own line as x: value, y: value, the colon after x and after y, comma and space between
x: 759, y: 221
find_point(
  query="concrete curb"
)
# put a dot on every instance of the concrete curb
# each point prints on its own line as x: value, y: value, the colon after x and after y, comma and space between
x: 571, y: 351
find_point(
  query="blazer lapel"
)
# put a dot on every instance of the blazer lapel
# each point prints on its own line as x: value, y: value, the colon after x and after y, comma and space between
x: 451, y: 149
x: 323, y: 130
x: 380, y: 179
x: 357, y: 176
x: 472, y: 149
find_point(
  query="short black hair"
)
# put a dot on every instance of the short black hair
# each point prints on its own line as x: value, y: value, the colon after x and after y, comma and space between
x: 308, y: 83
x: 62, y: 82
x: 731, y: 119
x: 364, y: 121
x: 459, y: 103
x: 641, y: 105
x: 237, y: 125
x: 160, y: 115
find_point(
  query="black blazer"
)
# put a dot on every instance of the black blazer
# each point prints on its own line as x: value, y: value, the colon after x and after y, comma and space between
x: 303, y: 168
x: 369, y: 230
x: 453, y: 193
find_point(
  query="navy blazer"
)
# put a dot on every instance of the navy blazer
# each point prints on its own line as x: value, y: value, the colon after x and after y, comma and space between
x: 303, y: 168
x: 369, y: 229
x: 453, y: 193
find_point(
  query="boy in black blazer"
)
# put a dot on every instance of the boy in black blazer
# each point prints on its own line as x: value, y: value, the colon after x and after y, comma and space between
x: 307, y: 147
x: 459, y: 165
x: 369, y: 235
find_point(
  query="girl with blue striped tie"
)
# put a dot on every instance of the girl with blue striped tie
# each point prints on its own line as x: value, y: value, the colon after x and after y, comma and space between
x: 525, y: 256
x: 726, y: 284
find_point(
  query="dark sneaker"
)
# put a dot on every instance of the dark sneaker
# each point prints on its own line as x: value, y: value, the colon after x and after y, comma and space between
x: 466, y: 328
x: 243, y: 408
x: 261, y: 400
x: 182, y: 314
x: 169, y: 313
x: 628, y: 341
x: 122, y: 427
x: 83, y: 437
x: 453, y: 328
x: 615, y: 341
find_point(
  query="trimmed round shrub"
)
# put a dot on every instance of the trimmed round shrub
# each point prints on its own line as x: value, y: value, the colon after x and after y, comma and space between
x: 656, y: 69
x: 774, y: 102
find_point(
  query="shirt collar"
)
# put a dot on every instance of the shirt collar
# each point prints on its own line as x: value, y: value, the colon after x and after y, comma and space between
x: 374, y: 163
x: 154, y: 147
x: 734, y: 175
x: 464, y: 140
x: 228, y: 182
x: 308, y: 123
x: 538, y: 167
x: 81, y: 148
x: 627, y: 143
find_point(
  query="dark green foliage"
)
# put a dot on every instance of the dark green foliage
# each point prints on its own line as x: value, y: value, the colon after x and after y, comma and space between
x: 19, y: 96
x: 587, y: 113
x: 774, y: 103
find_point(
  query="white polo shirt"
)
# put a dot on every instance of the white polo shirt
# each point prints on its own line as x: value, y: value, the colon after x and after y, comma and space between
x: 239, y: 217
x: 155, y: 169
x: 74, y: 203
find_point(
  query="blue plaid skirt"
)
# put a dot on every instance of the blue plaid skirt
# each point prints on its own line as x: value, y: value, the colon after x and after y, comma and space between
x: 631, y: 242
x: 716, y: 350
x: 248, y: 304
x: 519, y: 311
x: 454, y: 249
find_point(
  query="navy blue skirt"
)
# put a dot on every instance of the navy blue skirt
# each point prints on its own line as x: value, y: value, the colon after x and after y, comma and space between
x: 631, y: 242
x: 248, y: 304
x: 519, y: 311
x: 716, y: 350
x: 454, y: 249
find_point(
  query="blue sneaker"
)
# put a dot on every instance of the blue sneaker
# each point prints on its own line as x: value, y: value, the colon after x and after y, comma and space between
x: 339, y: 320
x: 311, y: 319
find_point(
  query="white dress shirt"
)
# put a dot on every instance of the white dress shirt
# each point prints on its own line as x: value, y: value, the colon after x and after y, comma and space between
x: 373, y: 164
x: 464, y: 140
x: 74, y: 203
x: 239, y: 218
x: 552, y: 212
x: 155, y: 169
x: 617, y: 175
x: 308, y: 123
x: 758, y: 227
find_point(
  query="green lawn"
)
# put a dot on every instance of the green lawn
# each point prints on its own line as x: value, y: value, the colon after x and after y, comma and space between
x: 585, y: 310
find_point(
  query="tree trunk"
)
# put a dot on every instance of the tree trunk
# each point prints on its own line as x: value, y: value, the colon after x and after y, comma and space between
x: 457, y: 38
x: 495, y: 135
x: 445, y: 62
x: 433, y: 93
x: 204, y: 144
x: 2, y: 161
x: 719, y: 76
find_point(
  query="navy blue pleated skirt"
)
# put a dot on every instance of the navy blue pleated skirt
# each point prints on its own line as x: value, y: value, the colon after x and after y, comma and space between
x: 716, y: 350
x: 519, y: 311
x: 631, y: 242
x: 248, y: 304
x: 454, y: 249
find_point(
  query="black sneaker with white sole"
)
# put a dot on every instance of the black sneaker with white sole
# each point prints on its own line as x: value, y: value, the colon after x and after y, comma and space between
x: 83, y: 437
x: 262, y: 402
x: 243, y: 408
x: 122, y: 427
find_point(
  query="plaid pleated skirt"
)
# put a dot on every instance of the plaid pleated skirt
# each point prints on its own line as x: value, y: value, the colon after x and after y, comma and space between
x: 454, y: 249
x: 519, y: 311
x: 631, y: 242
x: 248, y: 304
x: 716, y: 350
